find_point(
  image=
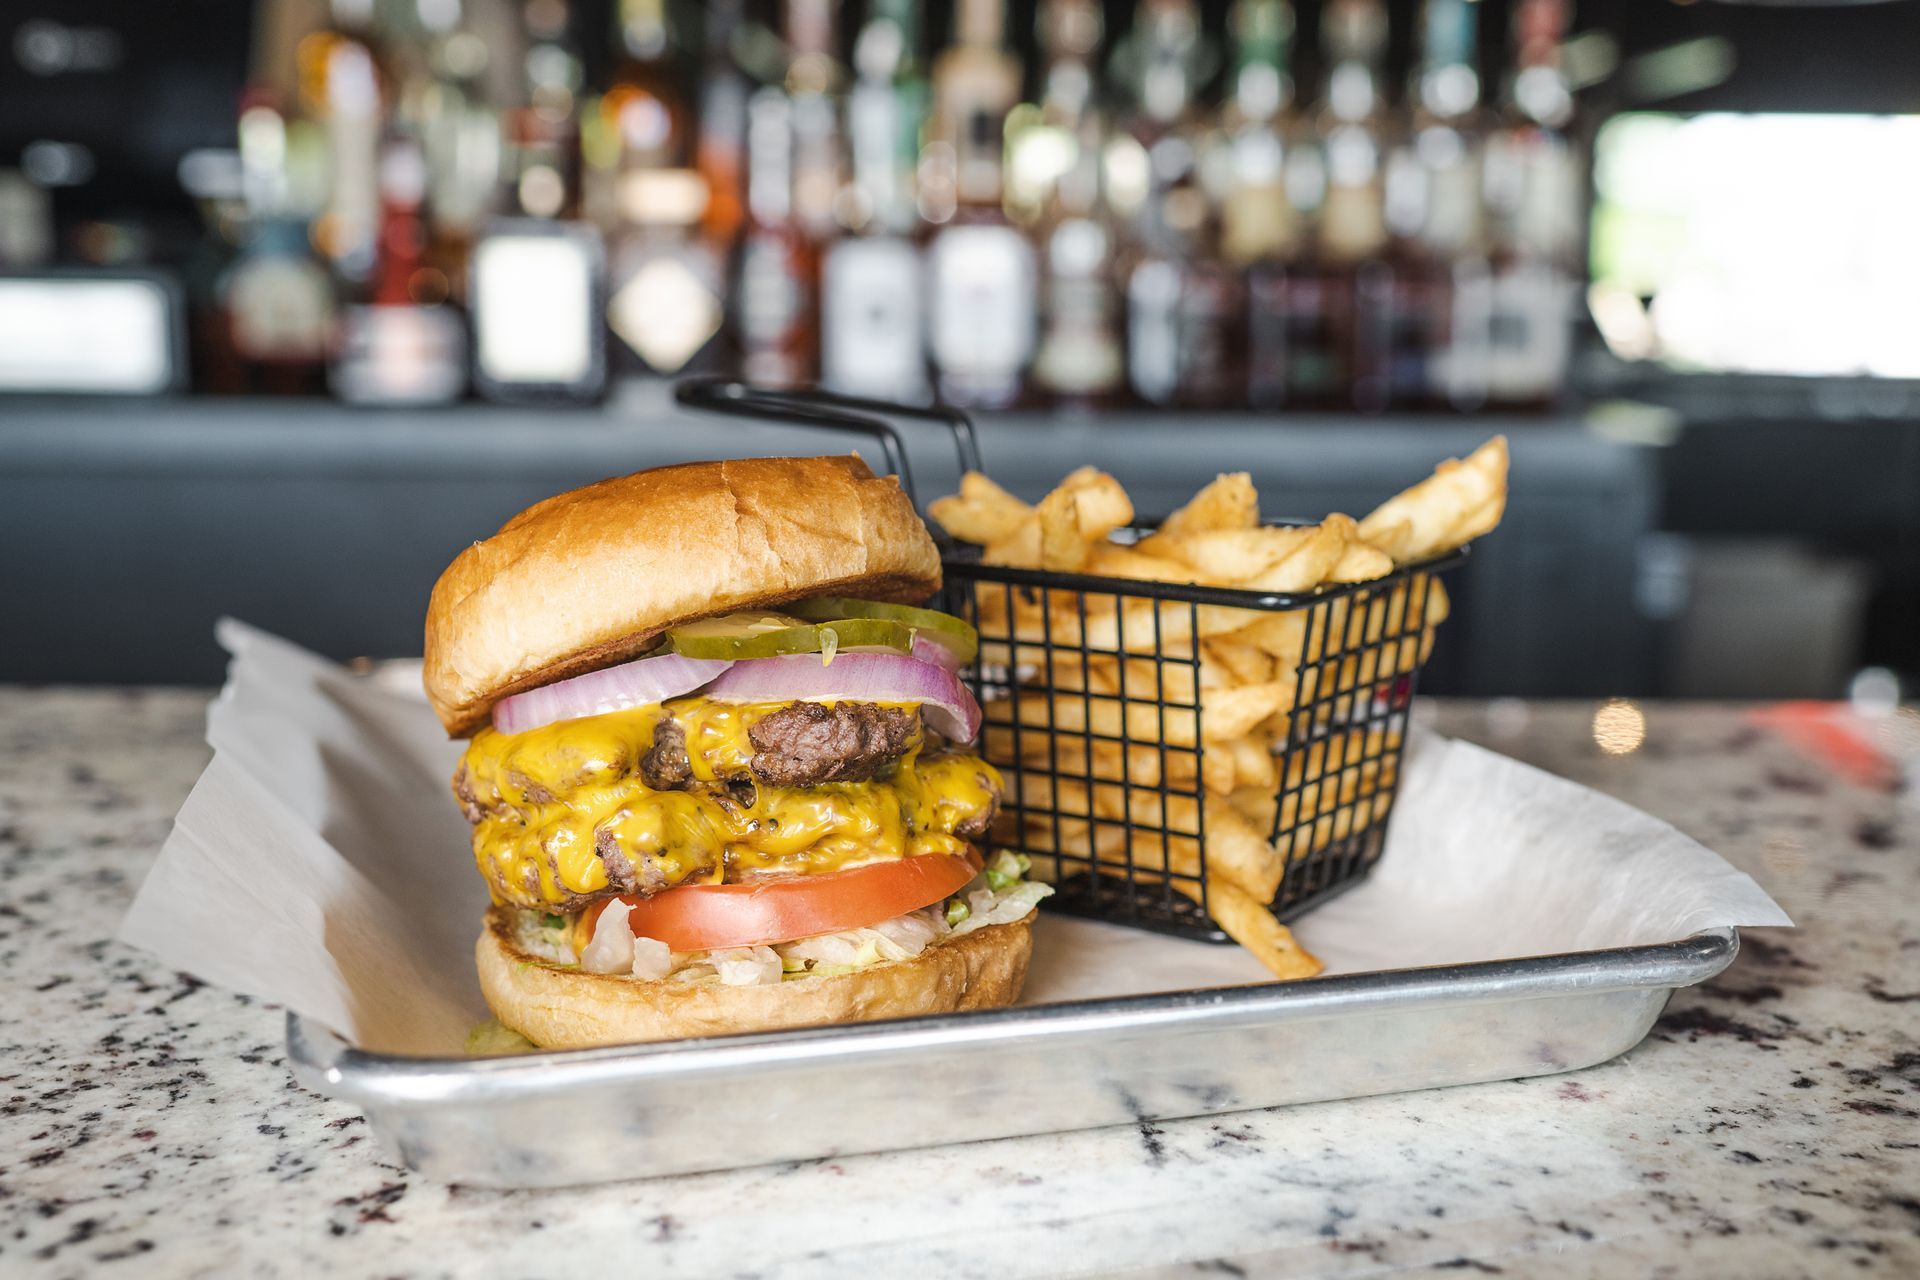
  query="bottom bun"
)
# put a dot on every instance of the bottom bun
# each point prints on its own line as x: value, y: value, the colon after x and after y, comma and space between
x: 564, y: 1008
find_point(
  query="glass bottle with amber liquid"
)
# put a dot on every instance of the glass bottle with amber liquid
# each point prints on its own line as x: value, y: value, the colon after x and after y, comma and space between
x: 642, y: 120
x: 980, y: 267
x: 720, y: 151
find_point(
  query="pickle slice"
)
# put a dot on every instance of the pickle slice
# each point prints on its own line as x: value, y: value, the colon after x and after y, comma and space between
x: 943, y: 628
x: 705, y: 640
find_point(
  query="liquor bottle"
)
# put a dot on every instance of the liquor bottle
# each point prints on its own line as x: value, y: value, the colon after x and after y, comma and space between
x: 276, y: 301
x: 980, y: 268
x: 720, y: 154
x: 666, y: 281
x: 1424, y: 302
x: 813, y: 77
x: 339, y: 65
x: 885, y: 110
x: 448, y: 99
x: 1080, y: 361
x: 871, y: 307
x: 1258, y: 222
x: 1339, y: 349
x: 1261, y: 227
x: 1446, y: 145
x: 543, y: 130
x: 641, y: 121
x: 774, y: 300
x: 1183, y: 303
x: 405, y: 346
x: 1533, y: 195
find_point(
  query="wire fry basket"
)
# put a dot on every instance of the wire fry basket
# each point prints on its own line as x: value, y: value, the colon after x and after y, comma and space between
x: 1131, y: 737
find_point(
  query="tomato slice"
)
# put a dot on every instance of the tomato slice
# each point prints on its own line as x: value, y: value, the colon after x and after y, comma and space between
x: 705, y: 917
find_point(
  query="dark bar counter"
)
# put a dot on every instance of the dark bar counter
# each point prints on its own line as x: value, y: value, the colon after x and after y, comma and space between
x: 131, y: 526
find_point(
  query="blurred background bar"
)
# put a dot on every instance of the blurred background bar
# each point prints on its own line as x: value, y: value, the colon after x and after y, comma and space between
x: 297, y: 297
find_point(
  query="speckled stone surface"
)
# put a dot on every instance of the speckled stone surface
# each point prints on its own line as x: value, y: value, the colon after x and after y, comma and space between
x: 1770, y: 1125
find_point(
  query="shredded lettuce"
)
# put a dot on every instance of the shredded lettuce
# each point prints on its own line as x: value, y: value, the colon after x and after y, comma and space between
x: 988, y: 908
x: 1000, y: 894
x: 1005, y: 871
x: 746, y: 966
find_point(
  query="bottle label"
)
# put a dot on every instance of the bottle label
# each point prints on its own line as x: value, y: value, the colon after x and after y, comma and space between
x: 1153, y: 331
x: 870, y: 320
x: 982, y: 317
x: 1080, y: 348
x: 1209, y: 307
x: 1529, y: 331
x: 1316, y: 311
x: 666, y: 308
x: 774, y: 302
x: 1267, y: 353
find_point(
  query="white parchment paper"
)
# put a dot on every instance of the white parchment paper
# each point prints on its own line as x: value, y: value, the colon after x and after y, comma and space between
x: 320, y: 863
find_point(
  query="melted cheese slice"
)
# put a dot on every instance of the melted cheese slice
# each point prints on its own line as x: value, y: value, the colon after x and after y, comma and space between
x: 549, y: 790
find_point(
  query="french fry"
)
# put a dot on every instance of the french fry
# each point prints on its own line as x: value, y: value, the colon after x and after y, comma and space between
x: 1226, y: 502
x: 1309, y: 563
x: 1246, y: 660
x: 1460, y: 501
x: 1232, y: 712
x: 1138, y: 563
x: 1020, y: 548
x: 1234, y: 555
x: 1253, y: 764
x: 1079, y: 755
x: 1217, y: 769
x: 981, y: 512
x: 1240, y: 854
x: 1079, y: 515
x: 1257, y: 805
x: 1251, y: 925
x: 1109, y: 764
x: 1143, y: 721
x: 1361, y: 562
x: 1282, y: 636
x: 1158, y: 832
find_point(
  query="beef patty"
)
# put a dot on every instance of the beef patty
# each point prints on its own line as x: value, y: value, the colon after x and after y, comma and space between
x: 805, y: 744
x: 801, y: 745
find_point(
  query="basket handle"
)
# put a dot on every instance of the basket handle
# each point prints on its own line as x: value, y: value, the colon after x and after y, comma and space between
x: 829, y: 410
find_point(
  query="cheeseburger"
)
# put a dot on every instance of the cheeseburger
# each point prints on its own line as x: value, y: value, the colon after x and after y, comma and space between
x: 719, y: 773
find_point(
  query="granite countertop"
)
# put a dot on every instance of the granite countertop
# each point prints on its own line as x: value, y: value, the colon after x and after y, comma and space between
x: 1770, y: 1125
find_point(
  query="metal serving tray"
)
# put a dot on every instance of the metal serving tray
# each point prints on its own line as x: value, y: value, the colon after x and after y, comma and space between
x: 600, y: 1115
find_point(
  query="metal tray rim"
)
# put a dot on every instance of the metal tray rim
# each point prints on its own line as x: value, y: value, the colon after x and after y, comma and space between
x: 329, y: 1063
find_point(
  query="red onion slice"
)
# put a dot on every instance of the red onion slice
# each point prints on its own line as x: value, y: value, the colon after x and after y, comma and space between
x: 929, y: 647
x: 631, y: 684
x: 857, y: 677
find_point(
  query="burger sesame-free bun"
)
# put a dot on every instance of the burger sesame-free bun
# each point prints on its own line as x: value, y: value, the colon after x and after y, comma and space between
x: 591, y: 578
x: 566, y: 1008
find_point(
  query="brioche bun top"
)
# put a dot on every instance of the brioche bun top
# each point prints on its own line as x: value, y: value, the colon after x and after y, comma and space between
x: 590, y: 578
